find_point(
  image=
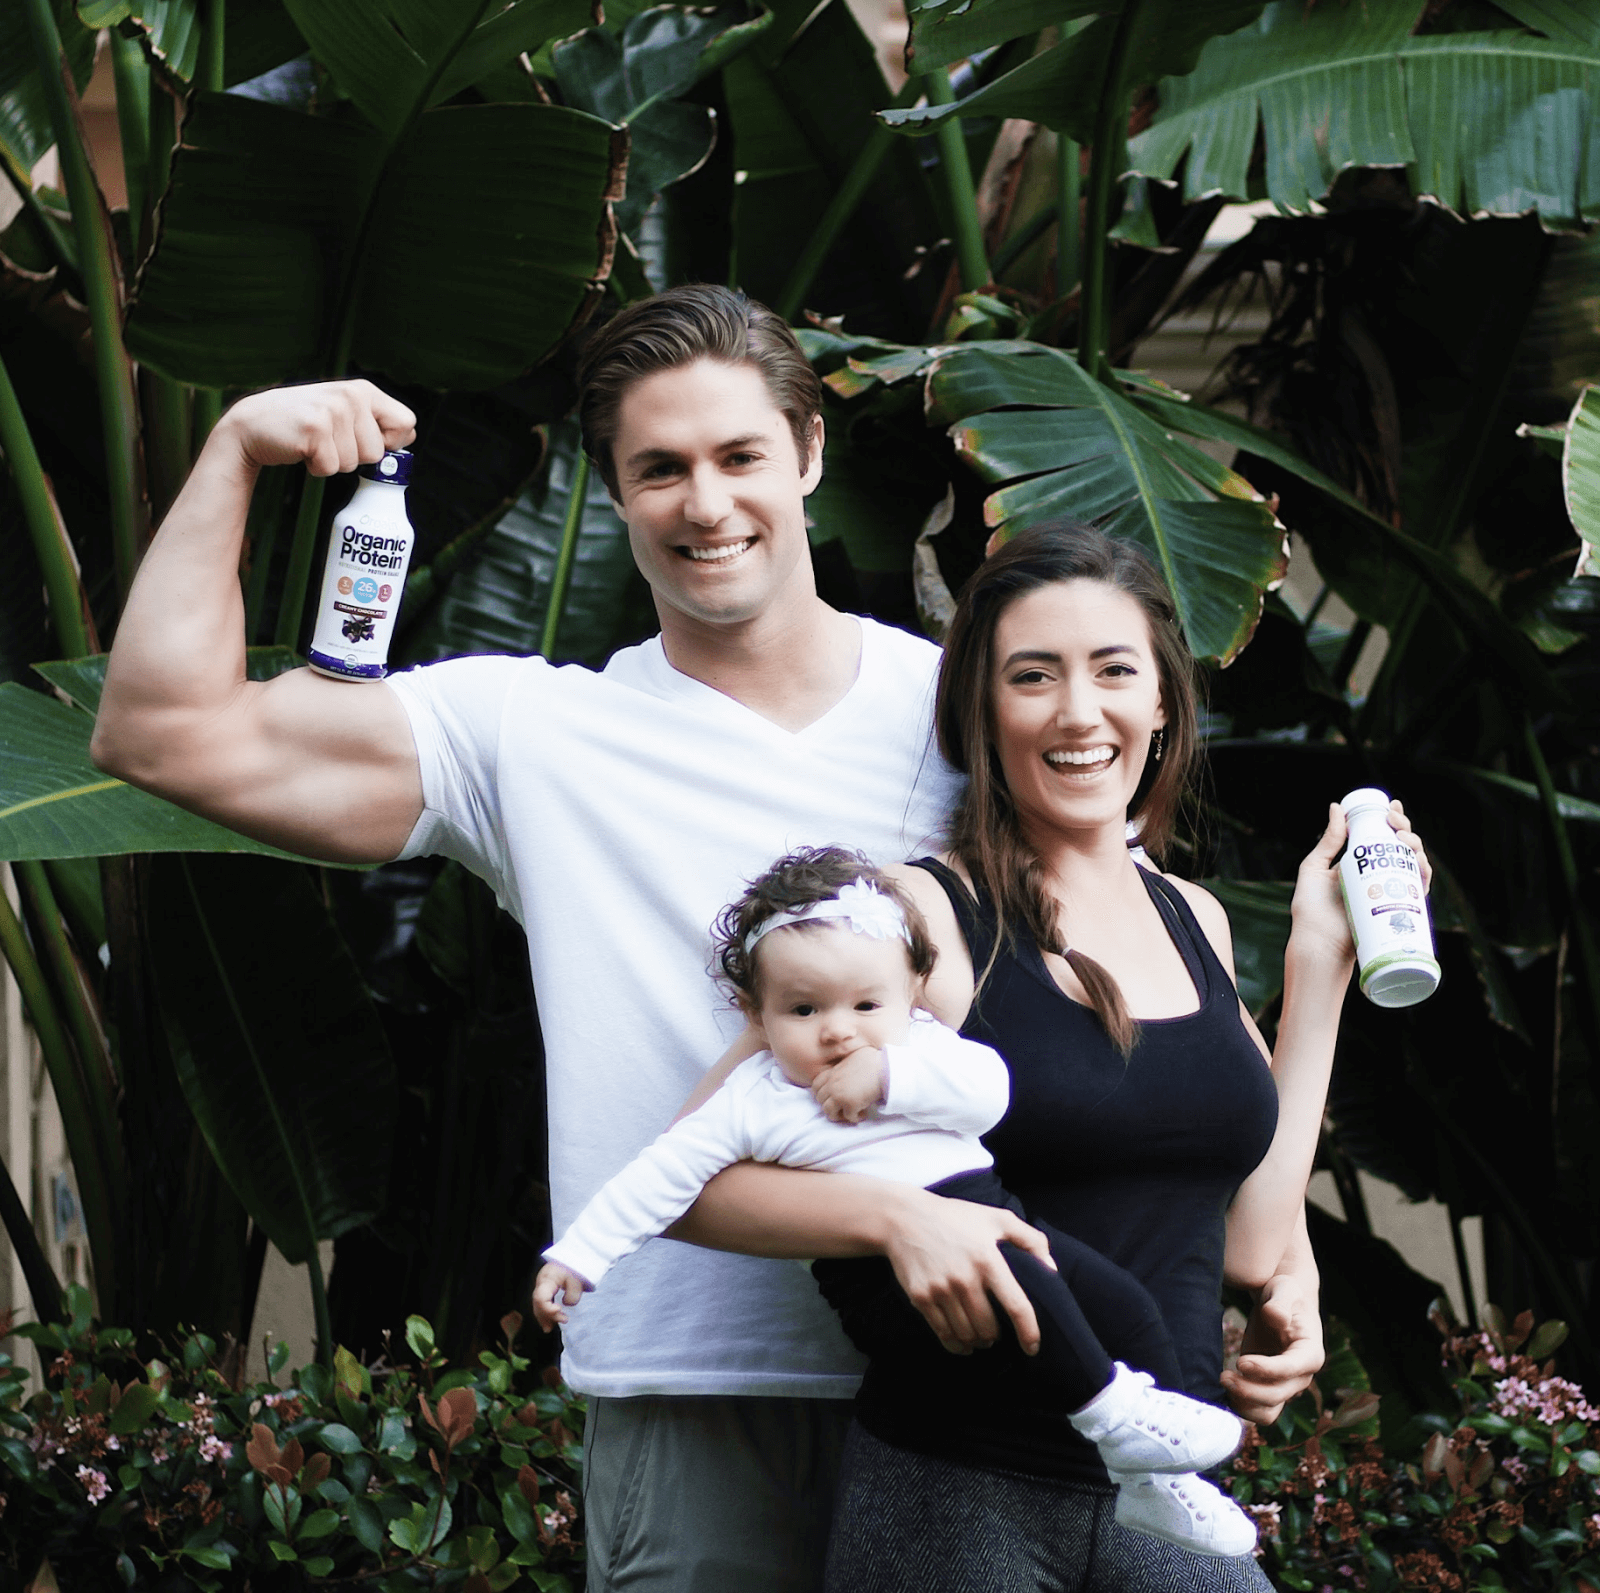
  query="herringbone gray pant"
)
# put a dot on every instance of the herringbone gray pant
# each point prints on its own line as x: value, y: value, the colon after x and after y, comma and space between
x: 907, y: 1523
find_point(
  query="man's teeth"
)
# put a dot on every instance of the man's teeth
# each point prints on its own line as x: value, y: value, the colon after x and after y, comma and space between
x: 728, y: 550
x: 1087, y: 756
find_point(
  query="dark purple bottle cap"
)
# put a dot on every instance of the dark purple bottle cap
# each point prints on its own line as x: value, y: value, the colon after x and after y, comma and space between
x: 394, y: 468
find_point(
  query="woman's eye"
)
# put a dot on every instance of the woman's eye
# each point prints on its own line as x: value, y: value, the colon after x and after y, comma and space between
x: 1028, y: 677
x: 1120, y: 669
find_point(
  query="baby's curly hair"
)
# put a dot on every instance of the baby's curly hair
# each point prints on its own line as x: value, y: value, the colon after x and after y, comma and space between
x: 811, y: 874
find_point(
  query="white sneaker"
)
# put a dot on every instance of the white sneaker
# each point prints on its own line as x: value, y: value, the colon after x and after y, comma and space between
x: 1187, y: 1511
x: 1139, y: 1427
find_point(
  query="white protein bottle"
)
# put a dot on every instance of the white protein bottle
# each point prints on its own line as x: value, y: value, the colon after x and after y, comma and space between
x: 368, y: 551
x: 1388, y: 907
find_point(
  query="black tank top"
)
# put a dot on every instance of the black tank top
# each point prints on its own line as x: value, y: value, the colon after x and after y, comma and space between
x: 1138, y: 1159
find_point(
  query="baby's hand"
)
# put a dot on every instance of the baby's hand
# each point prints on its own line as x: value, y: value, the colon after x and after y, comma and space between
x: 555, y: 1286
x: 847, y: 1091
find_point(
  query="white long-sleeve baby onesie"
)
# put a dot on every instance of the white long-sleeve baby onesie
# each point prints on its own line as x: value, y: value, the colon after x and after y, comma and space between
x: 943, y: 1092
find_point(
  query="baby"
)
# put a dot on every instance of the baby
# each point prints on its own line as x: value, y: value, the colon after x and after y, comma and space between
x: 827, y: 959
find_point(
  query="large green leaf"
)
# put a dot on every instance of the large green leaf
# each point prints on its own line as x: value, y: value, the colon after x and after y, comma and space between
x: 636, y: 75
x: 1081, y: 449
x: 396, y: 57
x: 496, y: 603
x: 25, y: 131
x: 950, y: 30
x: 55, y: 803
x: 1061, y: 85
x: 801, y: 104
x: 170, y: 28
x: 1580, y: 476
x: 1258, y: 914
x: 1488, y: 123
x: 295, y: 1098
x: 470, y: 245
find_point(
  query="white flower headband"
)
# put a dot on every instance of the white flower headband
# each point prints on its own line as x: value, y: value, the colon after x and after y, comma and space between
x: 867, y: 910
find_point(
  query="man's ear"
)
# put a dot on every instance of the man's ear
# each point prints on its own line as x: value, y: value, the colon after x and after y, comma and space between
x: 812, y: 474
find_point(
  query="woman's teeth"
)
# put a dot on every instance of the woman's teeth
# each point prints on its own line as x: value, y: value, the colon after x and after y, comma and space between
x: 1088, y: 758
x: 729, y: 550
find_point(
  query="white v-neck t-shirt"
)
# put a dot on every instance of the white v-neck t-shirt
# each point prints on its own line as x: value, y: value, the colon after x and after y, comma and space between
x: 615, y: 814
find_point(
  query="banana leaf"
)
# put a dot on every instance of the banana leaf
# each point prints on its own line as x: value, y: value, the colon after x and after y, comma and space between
x: 295, y: 1098
x: 1580, y: 477
x: 496, y: 602
x: 1061, y: 85
x: 1086, y: 451
x: 453, y: 251
x: 25, y: 131
x: 635, y: 76
x: 1258, y: 914
x: 55, y: 803
x: 1499, y: 123
x: 395, y: 59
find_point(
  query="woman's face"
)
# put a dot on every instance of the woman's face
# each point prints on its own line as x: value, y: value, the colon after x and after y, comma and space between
x: 1077, y: 696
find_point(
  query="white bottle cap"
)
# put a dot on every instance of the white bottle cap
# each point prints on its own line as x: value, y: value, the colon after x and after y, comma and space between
x: 1369, y: 796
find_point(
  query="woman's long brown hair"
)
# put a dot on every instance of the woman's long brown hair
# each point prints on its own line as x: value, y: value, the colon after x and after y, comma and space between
x: 986, y: 833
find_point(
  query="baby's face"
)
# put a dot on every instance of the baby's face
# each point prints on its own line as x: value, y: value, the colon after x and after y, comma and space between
x: 827, y: 991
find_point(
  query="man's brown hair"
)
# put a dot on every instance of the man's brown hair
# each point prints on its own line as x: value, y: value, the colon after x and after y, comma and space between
x: 675, y: 328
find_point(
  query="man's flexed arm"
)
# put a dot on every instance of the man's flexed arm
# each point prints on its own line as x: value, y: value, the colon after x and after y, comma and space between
x: 321, y: 766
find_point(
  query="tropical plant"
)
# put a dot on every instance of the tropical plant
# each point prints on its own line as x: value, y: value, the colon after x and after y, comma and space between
x: 175, y: 1474
x: 977, y: 342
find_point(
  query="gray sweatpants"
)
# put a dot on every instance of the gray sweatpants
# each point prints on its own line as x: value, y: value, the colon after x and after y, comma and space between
x: 717, y: 1494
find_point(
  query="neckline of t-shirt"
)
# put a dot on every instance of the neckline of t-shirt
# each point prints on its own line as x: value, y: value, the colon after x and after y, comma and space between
x: 687, y: 687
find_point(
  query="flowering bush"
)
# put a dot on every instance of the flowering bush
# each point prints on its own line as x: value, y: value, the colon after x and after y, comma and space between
x: 388, y: 1477
x: 1504, y: 1495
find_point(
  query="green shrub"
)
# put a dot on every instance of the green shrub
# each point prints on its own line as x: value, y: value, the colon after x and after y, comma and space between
x: 387, y: 1477
x: 1503, y: 1494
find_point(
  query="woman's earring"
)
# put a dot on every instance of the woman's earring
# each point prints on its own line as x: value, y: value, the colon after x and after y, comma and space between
x: 1158, y: 742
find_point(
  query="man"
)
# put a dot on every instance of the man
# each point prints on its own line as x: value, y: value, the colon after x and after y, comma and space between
x: 614, y: 813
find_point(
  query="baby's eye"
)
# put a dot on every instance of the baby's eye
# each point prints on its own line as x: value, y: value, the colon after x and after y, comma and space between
x: 868, y: 1006
x: 803, y: 1010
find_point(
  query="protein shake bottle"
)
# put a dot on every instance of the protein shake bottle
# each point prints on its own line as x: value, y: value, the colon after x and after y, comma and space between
x: 1388, y: 908
x: 365, y: 574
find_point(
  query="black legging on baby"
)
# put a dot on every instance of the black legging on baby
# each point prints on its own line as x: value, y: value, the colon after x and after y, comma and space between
x: 1090, y: 1310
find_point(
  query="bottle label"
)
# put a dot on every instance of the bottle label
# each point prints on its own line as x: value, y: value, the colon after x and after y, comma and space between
x: 362, y: 584
x: 1384, y: 898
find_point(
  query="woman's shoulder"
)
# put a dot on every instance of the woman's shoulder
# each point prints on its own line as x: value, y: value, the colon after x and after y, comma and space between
x: 950, y: 985
x: 1209, y: 913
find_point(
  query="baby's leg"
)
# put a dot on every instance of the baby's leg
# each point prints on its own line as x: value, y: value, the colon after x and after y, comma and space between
x: 1091, y: 1310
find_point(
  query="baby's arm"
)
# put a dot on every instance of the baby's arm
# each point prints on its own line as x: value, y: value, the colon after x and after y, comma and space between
x: 653, y: 1190
x: 939, y: 1078
x: 849, y: 1089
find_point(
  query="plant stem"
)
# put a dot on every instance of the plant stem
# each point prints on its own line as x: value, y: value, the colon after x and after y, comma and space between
x: 561, y: 580
x: 96, y: 264
x: 63, y: 589
x: 1069, y: 217
x: 292, y: 601
x: 76, y: 1119
x: 208, y: 69
x: 846, y: 200
x: 1105, y: 161
x: 207, y: 412
x: 1582, y: 930
x: 1024, y: 239
x: 44, y: 918
x: 43, y: 1287
x: 166, y: 437
x: 132, y: 78
x: 266, y: 513
x: 959, y: 187
x: 319, y: 1307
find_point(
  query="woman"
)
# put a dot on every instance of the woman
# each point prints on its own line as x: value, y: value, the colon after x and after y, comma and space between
x: 1142, y: 1118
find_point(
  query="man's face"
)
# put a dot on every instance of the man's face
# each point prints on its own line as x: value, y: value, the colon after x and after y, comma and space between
x: 713, y: 492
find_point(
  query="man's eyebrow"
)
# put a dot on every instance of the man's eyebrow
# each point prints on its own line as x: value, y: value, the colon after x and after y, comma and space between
x: 650, y: 456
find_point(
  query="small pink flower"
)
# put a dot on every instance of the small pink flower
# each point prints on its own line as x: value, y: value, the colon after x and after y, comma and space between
x: 95, y: 1483
x: 215, y: 1449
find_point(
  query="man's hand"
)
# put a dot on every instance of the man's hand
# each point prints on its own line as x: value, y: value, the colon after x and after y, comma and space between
x: 1282, y: 1351
x: 946, y: 1255
x: 556, y: 1286
x: 330, y: 426
x: 848, y: 1090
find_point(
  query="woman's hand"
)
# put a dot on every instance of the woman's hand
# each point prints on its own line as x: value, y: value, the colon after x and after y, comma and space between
x: 946, y: 1254
x: 1282, y: 1351
x: 1321, y: 930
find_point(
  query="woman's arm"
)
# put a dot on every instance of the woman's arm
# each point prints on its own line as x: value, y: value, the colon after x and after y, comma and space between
x: 944, y: 1252
x: 1283, y: 1347
x: 1317, y: 967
